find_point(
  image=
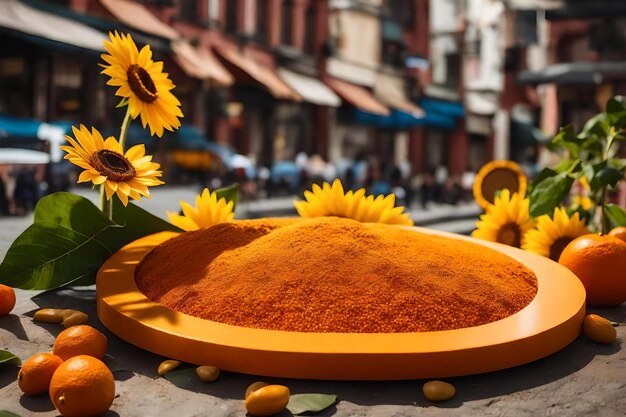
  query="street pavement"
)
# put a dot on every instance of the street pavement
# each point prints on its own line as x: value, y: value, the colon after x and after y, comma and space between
x: 583, y: 379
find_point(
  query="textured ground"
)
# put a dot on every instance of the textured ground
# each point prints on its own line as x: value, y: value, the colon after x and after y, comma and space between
x: 584, y: 379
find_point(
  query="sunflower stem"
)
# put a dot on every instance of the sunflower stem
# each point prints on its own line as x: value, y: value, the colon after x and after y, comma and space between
x: 124, y: 128
x: 105, y: 205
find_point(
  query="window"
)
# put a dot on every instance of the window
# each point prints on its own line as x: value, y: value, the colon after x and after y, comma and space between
x: 401, y: 11
x: 214, y: 10
x: 261, y: 19
x: 231, y: 16
x: 309, y: 29
x: 287, y: 22
x: 453, y: 70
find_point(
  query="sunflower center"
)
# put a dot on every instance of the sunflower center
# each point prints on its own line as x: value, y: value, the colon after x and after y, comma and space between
x: 112, y: 165
x: 499, y: 179
x: 510, y: 234
x: 557, y: 247
x: 141, y: 83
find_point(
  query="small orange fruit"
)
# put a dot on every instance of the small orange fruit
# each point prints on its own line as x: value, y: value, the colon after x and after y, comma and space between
x: 82, y: 386
x: 36, y: 373
x: 599, y: 329
x: 619, y: 232
x: 80, y: 340
x: 267, y: 401
x: 7, y: 299
x: 600, y: 264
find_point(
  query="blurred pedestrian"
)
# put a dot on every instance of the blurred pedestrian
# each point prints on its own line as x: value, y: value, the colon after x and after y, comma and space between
x: 427, y: 191
x: 467, y: 183
x: 26, y: 191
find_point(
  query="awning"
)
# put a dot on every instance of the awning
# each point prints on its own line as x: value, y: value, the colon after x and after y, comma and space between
x: 389, y: 90
x: 587, y: 10
x: 200, y: 63
x: 137, y: 16
x: 481, y: 102
x: 311, y: 89
x: 20, y: 17
x: 451, y: 108
x: 23, y: 156
x: 575, y: 73
x: 358, y: 96
x: 263, y: 75
x: 396, y: 119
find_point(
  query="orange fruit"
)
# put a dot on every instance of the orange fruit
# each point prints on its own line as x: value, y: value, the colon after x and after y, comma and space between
x: 599, y: 329
x: 80, y: 340
x: 36, y: 373
x: 82, y: 386
x: 600, y: 264
x: 7, y: 299
x: 619, y: 232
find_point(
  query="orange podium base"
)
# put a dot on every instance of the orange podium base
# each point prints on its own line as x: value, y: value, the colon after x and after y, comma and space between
x: 550, y: 322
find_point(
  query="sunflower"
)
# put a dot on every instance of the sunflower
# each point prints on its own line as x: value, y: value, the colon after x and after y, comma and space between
x: 143, y: 82
x: 208, y: 211
x: 104, y: 162
x: 582, y: 201
x: 552, y: 235
x: 495, y: 176
x: 506, y: 221
x: 332, y: 201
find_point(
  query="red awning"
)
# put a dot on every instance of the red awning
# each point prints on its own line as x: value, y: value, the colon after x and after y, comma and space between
x: 358, y: 96
x: 262, y: 74
x: 200, y: 63
x: 137, y: 16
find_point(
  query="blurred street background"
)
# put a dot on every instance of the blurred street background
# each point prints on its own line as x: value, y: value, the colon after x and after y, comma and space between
x: 403, y: 96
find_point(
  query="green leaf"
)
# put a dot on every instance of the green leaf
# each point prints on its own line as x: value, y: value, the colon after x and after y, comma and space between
x: 183, y: 378
x: 9, y: 359
x: 229, y: 194
x: 112, y: 363
x: 139, y: 222
x: 70, y: 240
x: 543, y: 174
x: 122, y: 103
x: 565, y: 134
x: 303, y: 403
x: 5, y: 413
x: 616, y: 111
x: 548, y: 194
x: 606, y: 177
x: 598, y: 125
x: 568, y: 166
x: 617, y: 163
x: 615, y: 215
x: 566, y: 139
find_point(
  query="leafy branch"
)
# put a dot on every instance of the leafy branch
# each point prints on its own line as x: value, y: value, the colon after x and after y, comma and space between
x: 591, y: 154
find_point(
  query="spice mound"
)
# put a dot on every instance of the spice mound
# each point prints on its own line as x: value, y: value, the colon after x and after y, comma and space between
x: 331, y: 274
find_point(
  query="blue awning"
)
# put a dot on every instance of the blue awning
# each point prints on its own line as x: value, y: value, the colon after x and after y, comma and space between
x: 437, y: 113
x: 18, y: 127
x: 395, y: 120
x: 449, y: 108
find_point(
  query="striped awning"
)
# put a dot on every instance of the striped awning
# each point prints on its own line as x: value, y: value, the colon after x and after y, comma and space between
x: 20, y: 17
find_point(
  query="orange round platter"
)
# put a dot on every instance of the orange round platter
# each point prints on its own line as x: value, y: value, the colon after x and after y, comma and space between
x: 550, y: 322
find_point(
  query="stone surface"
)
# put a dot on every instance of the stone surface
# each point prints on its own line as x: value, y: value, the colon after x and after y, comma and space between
x: 584, y: 379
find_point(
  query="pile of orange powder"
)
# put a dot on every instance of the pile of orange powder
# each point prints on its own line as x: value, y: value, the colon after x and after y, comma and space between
x: 333, y: 275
